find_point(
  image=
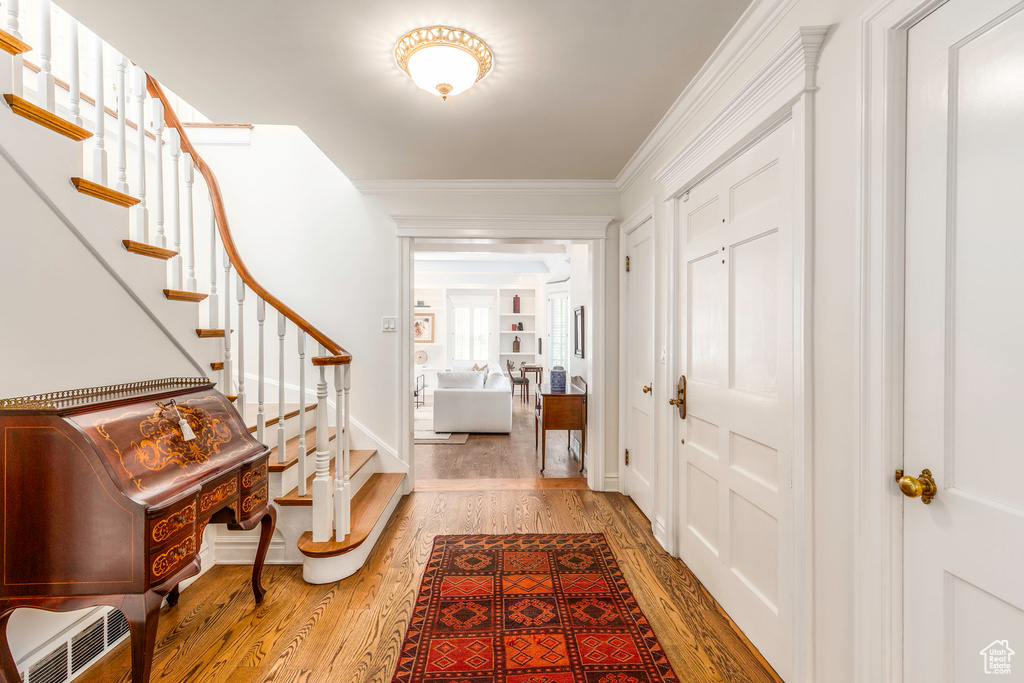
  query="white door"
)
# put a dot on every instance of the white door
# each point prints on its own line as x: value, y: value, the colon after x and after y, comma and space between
x: 639, y: 353
x: 964, y: 333
x: 735, y: 241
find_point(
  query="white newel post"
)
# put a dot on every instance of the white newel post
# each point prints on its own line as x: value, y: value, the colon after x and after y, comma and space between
x: 189, y: 227
x: 323, y: 527
x: 99, y: 151
x: 261, y: 416
x: 342, y: 491
x: 158, y: 172
x: 74, y: 73
x: 45, y: 89
x: 303, y: 475
x: 240, y: 294
x: 141, y: 212
x: 174, y: 221
x: 213, y: 298
x: 14, y: 28
x: 282, y: 329
x: 121, y: 184
x: 227, y: 324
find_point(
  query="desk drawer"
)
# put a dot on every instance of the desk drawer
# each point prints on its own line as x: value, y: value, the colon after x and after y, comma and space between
x: 166, y: 524
x: 173, y: 558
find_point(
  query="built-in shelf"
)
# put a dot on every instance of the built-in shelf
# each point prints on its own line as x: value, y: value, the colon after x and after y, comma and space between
x: 518, y: 332
x: 508, y: 315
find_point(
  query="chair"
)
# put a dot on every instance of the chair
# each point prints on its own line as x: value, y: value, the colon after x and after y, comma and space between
x: 524, y: 382
x: 419, y: 391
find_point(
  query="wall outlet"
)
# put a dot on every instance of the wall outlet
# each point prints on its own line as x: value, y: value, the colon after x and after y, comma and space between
x: 389, y: 323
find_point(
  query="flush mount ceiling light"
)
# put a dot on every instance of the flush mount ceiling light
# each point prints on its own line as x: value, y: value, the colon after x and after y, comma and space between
x: 443, y: 60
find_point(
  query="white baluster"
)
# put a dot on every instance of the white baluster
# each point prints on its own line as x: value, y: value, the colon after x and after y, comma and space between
x: 282, y: 329
x: 189, y: 228
x: 74, y: 78
x: 141, y: 212
x: 261, y: 416
x: 14, y: 28
x: 45, y: 89
x: 121, y: 184
x: 99, y: 151
x: 303, y: 475
x: 342, y: 489
x: 323, y: 527
x: 158, y: 172
x: 240, y: 293
x: 213, y: 267
x: 174, y: 200
x: 227, y: 324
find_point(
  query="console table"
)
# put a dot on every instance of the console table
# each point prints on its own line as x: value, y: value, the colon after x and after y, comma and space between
x: 561, y: 409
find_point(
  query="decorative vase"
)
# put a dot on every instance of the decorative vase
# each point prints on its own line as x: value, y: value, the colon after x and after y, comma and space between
x: 515, y: 304
x: 519, y: 327
x: 557, y: 378
x: 515, y: 345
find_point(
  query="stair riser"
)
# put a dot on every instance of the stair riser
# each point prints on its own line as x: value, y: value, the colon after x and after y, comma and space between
x: 282, y: 482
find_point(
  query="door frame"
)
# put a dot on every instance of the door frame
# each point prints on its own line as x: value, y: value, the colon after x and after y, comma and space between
x: 782, y: 90
x: 642, y: 215
x: 878, y: 591
x: 590, y: 230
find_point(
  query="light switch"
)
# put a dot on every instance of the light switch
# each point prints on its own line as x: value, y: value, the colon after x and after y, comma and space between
x: 389, y: 323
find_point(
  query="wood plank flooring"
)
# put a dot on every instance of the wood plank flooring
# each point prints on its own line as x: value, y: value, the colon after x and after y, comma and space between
x: 351, y: 631
x: 499, y: 456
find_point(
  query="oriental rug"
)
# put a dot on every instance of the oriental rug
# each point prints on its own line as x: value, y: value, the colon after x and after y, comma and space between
x: 528, y: 609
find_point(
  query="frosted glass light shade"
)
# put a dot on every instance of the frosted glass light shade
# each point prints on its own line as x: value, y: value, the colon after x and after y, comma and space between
x: 443, y: 61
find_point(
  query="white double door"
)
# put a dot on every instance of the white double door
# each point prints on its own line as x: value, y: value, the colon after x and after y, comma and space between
x: 735, y: 283
x: 963, y: 564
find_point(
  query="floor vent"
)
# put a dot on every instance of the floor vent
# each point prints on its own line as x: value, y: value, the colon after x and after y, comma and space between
x: 53, y: 668
x: 87, y: 645
x: 117, y: 626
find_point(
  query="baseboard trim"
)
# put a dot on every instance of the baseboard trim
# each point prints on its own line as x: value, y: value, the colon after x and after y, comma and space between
x: 611, y: 482
x: 239, y: 549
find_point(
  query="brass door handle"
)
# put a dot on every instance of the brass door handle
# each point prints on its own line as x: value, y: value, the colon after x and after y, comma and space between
x: 680, y: 401
x: 922, y: 487
x: 647, y: 389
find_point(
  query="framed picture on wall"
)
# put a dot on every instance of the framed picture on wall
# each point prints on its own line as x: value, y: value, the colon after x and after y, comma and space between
x: 423, y: 328
x: 578, y: 340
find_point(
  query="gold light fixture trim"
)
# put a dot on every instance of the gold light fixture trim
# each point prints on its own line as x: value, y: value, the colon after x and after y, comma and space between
x: 432, y: 36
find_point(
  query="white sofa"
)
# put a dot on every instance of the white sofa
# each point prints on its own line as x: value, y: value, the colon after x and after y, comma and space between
x: 472, y: 402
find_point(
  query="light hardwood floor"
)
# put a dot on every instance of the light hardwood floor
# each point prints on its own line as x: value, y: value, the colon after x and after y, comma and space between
x: 500, y: 456
x: 351, y: 631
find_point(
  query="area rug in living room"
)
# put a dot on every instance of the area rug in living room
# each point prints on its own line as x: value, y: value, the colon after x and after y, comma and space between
x: 423, y: 430
x: 528, y: 608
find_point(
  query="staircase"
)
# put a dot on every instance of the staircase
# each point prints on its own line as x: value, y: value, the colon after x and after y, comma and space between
x: 114, y: 153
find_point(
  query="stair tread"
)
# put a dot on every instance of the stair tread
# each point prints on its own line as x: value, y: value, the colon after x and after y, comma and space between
x: 88, y: 187
x: 184, y: 295
x: 37, y: 114
x: 12, y: 45
x: 206, y: 332
x: 274, y: 420
x: 357, y: 458
x: 219, y: 365
x: 143, y: 249
x: 291, y: 449
x: 368, y: 504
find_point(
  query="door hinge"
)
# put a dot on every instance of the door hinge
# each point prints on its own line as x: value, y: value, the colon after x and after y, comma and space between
x: 627, y: 264
x: 627, y: 456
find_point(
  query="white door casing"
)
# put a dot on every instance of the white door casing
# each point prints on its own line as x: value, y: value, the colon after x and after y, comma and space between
x: 641, y: 471
x: 735, y: 242
x: 964, y: 321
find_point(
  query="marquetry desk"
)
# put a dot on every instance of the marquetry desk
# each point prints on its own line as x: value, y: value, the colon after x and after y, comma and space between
x: 106, y: 494
x: 562, y: 409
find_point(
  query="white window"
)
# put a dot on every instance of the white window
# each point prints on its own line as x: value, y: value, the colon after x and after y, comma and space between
x: 558, y: 328
x: 470, y: 329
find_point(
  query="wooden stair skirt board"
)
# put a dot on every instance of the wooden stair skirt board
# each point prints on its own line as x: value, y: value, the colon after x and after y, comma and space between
x: 98, y: 191
x: 12, y: 45
x: 291, y: 448
x: 182, y: 295
x: 372, y: 507
x: 45, y: 119
x: 357, y: 458
x: 219, y: 365
x: 143, y: 249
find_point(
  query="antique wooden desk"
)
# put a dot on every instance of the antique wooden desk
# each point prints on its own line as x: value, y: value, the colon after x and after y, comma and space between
x: 561, y: 410
x: 105, y: 501
x: 536, y: 370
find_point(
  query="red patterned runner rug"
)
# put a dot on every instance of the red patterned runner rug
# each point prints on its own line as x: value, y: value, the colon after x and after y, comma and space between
x: 528, y: 609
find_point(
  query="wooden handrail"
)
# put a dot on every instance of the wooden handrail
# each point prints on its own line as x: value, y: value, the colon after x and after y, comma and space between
x: 341, y: 356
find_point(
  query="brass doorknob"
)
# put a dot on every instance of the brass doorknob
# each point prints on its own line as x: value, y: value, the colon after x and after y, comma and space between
x: 922, y: 487
x: 675, y: 401
x: 647, y: 389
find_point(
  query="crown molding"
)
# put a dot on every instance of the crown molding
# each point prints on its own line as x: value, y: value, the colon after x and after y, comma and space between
x: 503, y: 227
x: 743, y: 38
x: 387, y: 187
x: 783, y: 78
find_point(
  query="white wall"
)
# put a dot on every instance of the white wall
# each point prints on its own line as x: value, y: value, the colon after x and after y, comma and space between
x: 835, y: 296
x: 316, y: 243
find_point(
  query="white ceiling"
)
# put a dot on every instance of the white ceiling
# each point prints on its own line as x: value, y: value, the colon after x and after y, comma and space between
x: 576, y: 87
